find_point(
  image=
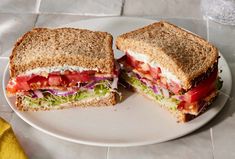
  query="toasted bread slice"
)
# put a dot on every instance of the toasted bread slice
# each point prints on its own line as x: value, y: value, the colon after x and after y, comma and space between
x: 107, y: 100
x: 43, y: 47
x: 186, y: 55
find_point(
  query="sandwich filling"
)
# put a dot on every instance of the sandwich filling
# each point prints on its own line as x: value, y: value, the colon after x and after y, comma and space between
x: 50, y: 87
x: 166, y: 90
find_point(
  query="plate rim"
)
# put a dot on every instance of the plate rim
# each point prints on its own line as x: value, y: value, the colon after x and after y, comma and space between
x: 105, y: 144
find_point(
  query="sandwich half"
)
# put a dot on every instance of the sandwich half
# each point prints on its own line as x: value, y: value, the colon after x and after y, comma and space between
x: 174, y: 67
x: 62, y: 68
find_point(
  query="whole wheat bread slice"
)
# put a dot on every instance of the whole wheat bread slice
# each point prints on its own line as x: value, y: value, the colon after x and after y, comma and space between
x: 185, y: 54
x: 107, y: 100
x: 43, y: 47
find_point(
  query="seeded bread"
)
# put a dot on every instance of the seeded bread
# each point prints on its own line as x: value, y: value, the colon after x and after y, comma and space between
x: 184, y: 54
x: 108, y: 100
x: 43, y: 47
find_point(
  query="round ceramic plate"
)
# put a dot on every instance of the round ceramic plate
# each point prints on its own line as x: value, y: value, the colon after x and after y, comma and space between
x: 135, y: 121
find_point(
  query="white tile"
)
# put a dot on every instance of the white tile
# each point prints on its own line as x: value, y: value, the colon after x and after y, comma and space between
x: 196, y: 146
x: 163, y: 8
x: 88, y: 7
x: 12, y: 26
x: 4, y: 107
x: 19, y: 6
x: 196, y: 26
x: 224, y: 124
x: 39, y: 145
x: 58, y: 20
x: 6, y: 116
x: 223, y: 37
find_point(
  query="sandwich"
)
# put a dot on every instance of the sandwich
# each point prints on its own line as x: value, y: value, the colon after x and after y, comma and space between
x: 62, y: 68
x: 174, y: 67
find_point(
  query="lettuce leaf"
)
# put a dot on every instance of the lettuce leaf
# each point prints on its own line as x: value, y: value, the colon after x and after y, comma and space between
x: 171, y: 103
x: 49, y: 100
x: 219, y: 83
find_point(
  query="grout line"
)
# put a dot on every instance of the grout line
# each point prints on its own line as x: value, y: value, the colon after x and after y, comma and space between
x: 36, y: 20
x: 107, y: 153
x: 212, y: 142
x: 6, y: 111
x: 207, y: 29
x: 38, y: 3
x: 122, y: 7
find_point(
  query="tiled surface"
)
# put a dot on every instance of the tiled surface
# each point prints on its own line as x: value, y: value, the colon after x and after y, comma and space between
x: 163, y: 8
x: 4, y: 107
x: 12, y: 27
x: 224, y: 124
x: 88, y: 7
x: 184, y: 148
x: 6, y: 116
x: 19, y: 6
x: 39, y: 145
x: 185, y: 13
x: 56, y: 20
x: 197, y: 26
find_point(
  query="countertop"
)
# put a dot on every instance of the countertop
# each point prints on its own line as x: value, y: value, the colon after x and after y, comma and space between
x: 213, y: 141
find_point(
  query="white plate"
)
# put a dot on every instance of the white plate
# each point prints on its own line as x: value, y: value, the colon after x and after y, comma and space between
x: 135, y: 121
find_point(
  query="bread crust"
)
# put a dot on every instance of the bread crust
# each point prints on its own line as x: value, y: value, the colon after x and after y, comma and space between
x: 43, y: 47
x: 183, y: 53
x: 108, y: 100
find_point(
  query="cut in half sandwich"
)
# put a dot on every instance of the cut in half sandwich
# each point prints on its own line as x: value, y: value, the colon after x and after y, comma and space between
x: 61, y: 68
x: 172, y: 66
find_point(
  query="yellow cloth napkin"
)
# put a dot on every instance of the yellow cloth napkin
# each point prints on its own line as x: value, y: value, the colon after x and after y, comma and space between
x: 9, y: 146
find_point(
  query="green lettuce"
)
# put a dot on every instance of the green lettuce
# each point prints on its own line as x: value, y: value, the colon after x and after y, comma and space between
x: 50, y: 100
x: 171, y: 103
x: 219, y: 83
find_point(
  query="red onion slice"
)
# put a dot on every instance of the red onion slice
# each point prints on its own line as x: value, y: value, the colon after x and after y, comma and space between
x: 60, y: 92
x: 165, y: 92
x: 37, y: 94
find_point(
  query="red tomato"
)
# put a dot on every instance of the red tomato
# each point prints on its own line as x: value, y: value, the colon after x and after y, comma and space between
x: 78, y: 77
x: 203, y: 89
x: 155, y: 72
x: 38, y: 80
x: 24, y: 78
x: 144, y: 68
x: 181, y: 105
x: 174, y: 87
x: 11, y: 87
x: 23, y: 86
x: 131, y: 61
x: 54, y: 80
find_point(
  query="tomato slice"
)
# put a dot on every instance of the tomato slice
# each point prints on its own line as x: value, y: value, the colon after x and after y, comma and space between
x: 23, y: 86
x: 155, y: 72
x: 24, y: 78
x: 203, y: 89
x: 131, y: 61
x: 78, y: 77
x: 144, y: 68
x: 174, y: 87
x: 38, y: 81
x: 11, y: 87
x: 25, y: 83
x: 54, y: 80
